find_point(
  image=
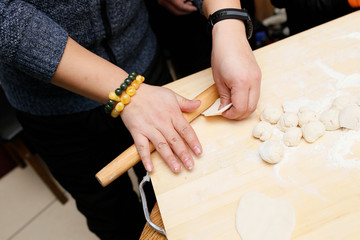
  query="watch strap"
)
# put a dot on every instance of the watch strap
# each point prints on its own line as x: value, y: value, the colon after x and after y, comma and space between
x: 232, y: 13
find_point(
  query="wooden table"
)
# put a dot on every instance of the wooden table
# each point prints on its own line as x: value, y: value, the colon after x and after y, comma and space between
x: 320, y: 180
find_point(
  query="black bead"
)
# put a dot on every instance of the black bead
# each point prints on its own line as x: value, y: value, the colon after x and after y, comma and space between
x: 111, y: 103
x: 118, y: 91
x: 108, y: 108
x: 123, y: 86
x: 128, y: 81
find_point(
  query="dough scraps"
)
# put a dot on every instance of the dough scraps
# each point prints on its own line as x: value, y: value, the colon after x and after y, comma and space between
x: 260, y: 217
x: 213, y: 110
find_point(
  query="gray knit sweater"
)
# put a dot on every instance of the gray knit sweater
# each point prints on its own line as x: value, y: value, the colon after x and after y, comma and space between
x: 33, y: 35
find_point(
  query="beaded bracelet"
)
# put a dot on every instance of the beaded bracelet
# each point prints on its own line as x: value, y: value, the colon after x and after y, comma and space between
x: 121, y: 96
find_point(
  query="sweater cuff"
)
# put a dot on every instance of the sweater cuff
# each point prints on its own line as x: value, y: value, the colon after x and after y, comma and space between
x: 354, y: 3
x: 41, y: 47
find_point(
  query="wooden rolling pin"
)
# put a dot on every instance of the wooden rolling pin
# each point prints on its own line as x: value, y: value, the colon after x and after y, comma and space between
x: 130, y: 156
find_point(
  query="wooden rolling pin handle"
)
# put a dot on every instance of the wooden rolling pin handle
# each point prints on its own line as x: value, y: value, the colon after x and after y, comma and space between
x: 130, y: 157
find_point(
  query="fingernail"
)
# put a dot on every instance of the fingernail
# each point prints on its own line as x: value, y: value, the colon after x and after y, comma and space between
x: 189, y: 164
x: 176, y: 166
x: 148, y: 167
x: 197, y: 150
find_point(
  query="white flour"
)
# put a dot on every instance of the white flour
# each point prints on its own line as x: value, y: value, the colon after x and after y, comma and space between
x: 340, y: 152
x: 353, y: 35
x: 352, y: 80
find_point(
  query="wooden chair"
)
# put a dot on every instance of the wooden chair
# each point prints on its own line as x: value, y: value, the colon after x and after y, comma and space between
x: 19, y: 151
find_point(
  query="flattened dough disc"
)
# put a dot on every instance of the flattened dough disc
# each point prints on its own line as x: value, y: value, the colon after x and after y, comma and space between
x: 213, y: 109
x: 260, y: 217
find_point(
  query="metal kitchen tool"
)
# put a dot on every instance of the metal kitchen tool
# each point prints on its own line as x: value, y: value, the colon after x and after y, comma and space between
x: 145, y: 207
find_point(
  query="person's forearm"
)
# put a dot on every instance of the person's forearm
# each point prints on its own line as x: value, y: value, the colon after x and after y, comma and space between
x: 87, y: 74
x: 211, y: 6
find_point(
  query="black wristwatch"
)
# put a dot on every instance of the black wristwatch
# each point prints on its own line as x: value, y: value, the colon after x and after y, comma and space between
x: 232, y: 13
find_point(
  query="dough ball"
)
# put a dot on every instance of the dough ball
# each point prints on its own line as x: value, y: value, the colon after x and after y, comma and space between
x: 271, y: 114
x: 271, y: 151
x: 349, y: 117
x: 287, y: 120
x: 305, y: 109
x: 313, y: 130
x: 292, y: 136
x: 341, y: 102
x: 262, y: 130
x: 307, y: 116
x: 330, y: 119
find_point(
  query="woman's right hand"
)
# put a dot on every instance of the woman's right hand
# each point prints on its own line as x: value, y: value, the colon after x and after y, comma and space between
x: 155, y: 114
x: 178, y: 7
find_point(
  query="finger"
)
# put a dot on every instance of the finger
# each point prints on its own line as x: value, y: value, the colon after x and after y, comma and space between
x: 188, y: 134
x: 179, y: 148
x: 185, y: 5
x: 188, y: 6
x: 254, y: 96
x: 240, y: 104
x: 163, y: 148
x: 143, y: 148
x: 180, y: 9
x: 224, y: 93
x: 187, y: 105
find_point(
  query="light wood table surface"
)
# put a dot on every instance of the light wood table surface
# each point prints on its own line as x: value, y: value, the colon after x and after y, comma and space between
x: 320, y: 180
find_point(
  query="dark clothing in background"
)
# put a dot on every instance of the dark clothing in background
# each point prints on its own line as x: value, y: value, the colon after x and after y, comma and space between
x: 185, y: 39
x: 305, y: 14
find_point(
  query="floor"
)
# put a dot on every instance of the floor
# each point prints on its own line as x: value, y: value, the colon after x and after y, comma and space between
x: 28, y: 210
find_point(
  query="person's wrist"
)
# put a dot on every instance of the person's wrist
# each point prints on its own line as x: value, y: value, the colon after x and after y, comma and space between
x: 122, y: 95
x: 229, y: 28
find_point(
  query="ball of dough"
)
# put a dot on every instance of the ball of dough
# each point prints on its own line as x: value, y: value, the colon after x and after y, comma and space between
x: 271, y: 114
x: 262, y: 130
x: 271, y: 151
x: 330, y: 119
x: 341, y: 102
x: 287, y: 120
x: 313, y: 130
x: 292, y: 136
x: 349, y: 117
x: 306, y: 117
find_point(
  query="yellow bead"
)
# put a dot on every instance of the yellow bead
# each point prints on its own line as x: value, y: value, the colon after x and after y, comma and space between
x: 135, y: 84
x: 131, y: 91
x: 113, y: 96
x: 119, y: 106
x: 125, y: 99
x: 115, y: 113
x: 141, y: 78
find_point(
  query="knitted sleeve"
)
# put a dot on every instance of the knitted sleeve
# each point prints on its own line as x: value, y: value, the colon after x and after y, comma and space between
x: 198, y: 4
x: 29, y: 40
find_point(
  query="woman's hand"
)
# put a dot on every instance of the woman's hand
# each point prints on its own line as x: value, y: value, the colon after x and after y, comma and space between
x: 178, y: 7
x: 155, y: 114
x: 235, y: 70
